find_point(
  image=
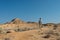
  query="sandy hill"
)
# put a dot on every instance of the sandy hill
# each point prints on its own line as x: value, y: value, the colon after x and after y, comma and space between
x: 18, y: 23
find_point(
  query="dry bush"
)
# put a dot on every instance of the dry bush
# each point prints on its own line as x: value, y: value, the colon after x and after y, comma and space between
x: 46, y: 36
x: 23, y: 29
x: 55, y: 27
x: 6, y: 38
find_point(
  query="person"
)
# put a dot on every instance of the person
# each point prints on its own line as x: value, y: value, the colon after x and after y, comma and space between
x: 40, y: 23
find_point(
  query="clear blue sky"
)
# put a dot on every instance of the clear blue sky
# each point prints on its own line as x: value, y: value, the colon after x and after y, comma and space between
x: 30, y: 10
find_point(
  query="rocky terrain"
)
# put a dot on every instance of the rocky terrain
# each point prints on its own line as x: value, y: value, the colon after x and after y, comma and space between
x: 21, y: 30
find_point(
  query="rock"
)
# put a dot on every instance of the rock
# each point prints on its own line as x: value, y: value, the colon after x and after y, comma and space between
x: 16, y: 21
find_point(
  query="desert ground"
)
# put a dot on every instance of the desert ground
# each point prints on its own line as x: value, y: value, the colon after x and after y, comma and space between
x: 21, y: 30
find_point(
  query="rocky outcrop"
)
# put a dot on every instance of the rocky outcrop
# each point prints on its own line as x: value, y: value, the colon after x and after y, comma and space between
x: 17, y: 21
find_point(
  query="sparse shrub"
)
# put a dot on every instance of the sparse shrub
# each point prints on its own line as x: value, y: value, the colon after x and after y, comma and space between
x: 23, y: 29
x: 0, y: 30
x: 55, y: 26
x: 8, y: 32
x: 30, y: 28
x: 7, y: 39
x: 45, y: 24
x: 17, y: 29
x: 46, y: 36
x: 49, y: 32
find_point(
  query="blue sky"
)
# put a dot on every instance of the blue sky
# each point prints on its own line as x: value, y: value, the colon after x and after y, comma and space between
x: 30, y: 10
